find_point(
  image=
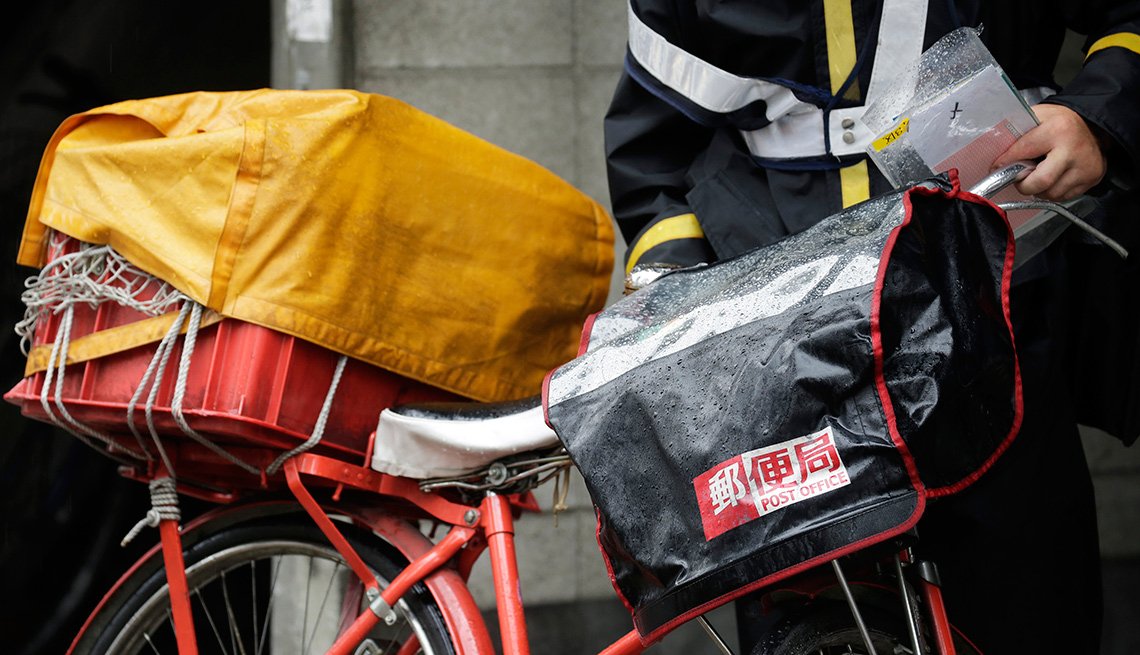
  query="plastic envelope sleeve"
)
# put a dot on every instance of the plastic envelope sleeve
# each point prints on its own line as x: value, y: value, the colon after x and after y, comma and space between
x: 738, y: 423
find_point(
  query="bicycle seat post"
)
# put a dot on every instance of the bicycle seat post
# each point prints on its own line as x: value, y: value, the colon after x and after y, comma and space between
x: 500, y: 529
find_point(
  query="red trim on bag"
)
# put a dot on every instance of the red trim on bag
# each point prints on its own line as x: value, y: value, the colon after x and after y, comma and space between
x: 609, y: 566
x: 708, y: 606
x: 587, y: 329
x: 877, y: 334
x: 1019, y: 404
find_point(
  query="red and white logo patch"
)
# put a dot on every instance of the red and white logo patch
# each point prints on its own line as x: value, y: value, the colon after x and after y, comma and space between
x: 758, y: 482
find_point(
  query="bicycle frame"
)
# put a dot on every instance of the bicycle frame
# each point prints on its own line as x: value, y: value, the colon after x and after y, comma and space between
x: 443, y: 567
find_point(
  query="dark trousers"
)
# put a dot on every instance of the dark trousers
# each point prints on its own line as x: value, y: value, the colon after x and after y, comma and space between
x: 1018, y: 549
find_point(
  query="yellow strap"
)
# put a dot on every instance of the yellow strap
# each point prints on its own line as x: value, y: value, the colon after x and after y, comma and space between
x: 840, y: 45
x: 684, y: 226
x: 1126, y: 40
x: 856, y: 183
x: 111, y: 341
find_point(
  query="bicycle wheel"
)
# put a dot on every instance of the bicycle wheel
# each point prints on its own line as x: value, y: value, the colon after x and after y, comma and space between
x: 268, y: 587
x: 830, y: 630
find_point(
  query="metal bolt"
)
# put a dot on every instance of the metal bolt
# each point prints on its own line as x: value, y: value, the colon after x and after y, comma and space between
x: 471, y: 517
x: 848, y: 123
x: 390, y: 618
x: 497, y: 473
x: 848, y: 137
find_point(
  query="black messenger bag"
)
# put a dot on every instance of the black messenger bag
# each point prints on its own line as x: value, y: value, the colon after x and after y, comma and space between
x: 741, y: 422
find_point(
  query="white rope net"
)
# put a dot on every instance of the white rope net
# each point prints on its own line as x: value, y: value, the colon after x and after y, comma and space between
x: 84, y: 273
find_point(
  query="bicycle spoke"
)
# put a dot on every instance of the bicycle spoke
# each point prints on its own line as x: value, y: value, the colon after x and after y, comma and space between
x: 394, y: 643
x: 269, y: 605
x: 235, y: 631
x: 321, y: 609
x: 253, y: 599
x: 305, y: 616
x: 210, y: 620
x: 151, y: 643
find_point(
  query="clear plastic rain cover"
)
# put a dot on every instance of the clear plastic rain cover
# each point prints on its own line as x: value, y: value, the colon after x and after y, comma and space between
x: 739, y: 422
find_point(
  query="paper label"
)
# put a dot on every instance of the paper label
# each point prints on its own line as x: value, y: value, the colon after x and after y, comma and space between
x: 892, y: 136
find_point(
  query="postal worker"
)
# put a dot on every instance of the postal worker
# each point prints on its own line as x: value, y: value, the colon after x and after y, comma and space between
x: 736, y: 123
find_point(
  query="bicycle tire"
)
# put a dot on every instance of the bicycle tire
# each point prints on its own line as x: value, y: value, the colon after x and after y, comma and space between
x: 234, y: 611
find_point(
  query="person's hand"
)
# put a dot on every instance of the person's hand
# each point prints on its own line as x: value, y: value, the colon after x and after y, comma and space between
x: 1074, y: 161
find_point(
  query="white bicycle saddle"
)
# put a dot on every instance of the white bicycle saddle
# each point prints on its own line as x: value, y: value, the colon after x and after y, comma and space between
x: 434, y: 440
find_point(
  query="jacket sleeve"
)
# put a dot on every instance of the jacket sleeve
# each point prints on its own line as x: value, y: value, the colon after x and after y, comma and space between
x: 1106, y: 91
x: 649, y: 148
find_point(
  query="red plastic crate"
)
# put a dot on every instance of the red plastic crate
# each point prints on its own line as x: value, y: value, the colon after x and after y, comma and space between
x: 248, y: 388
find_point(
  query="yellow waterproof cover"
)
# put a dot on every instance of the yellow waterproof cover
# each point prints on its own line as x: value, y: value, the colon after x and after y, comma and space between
x: 351, y: 220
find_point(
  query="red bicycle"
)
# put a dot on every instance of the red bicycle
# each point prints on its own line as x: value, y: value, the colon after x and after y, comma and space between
x: 355, y: 541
